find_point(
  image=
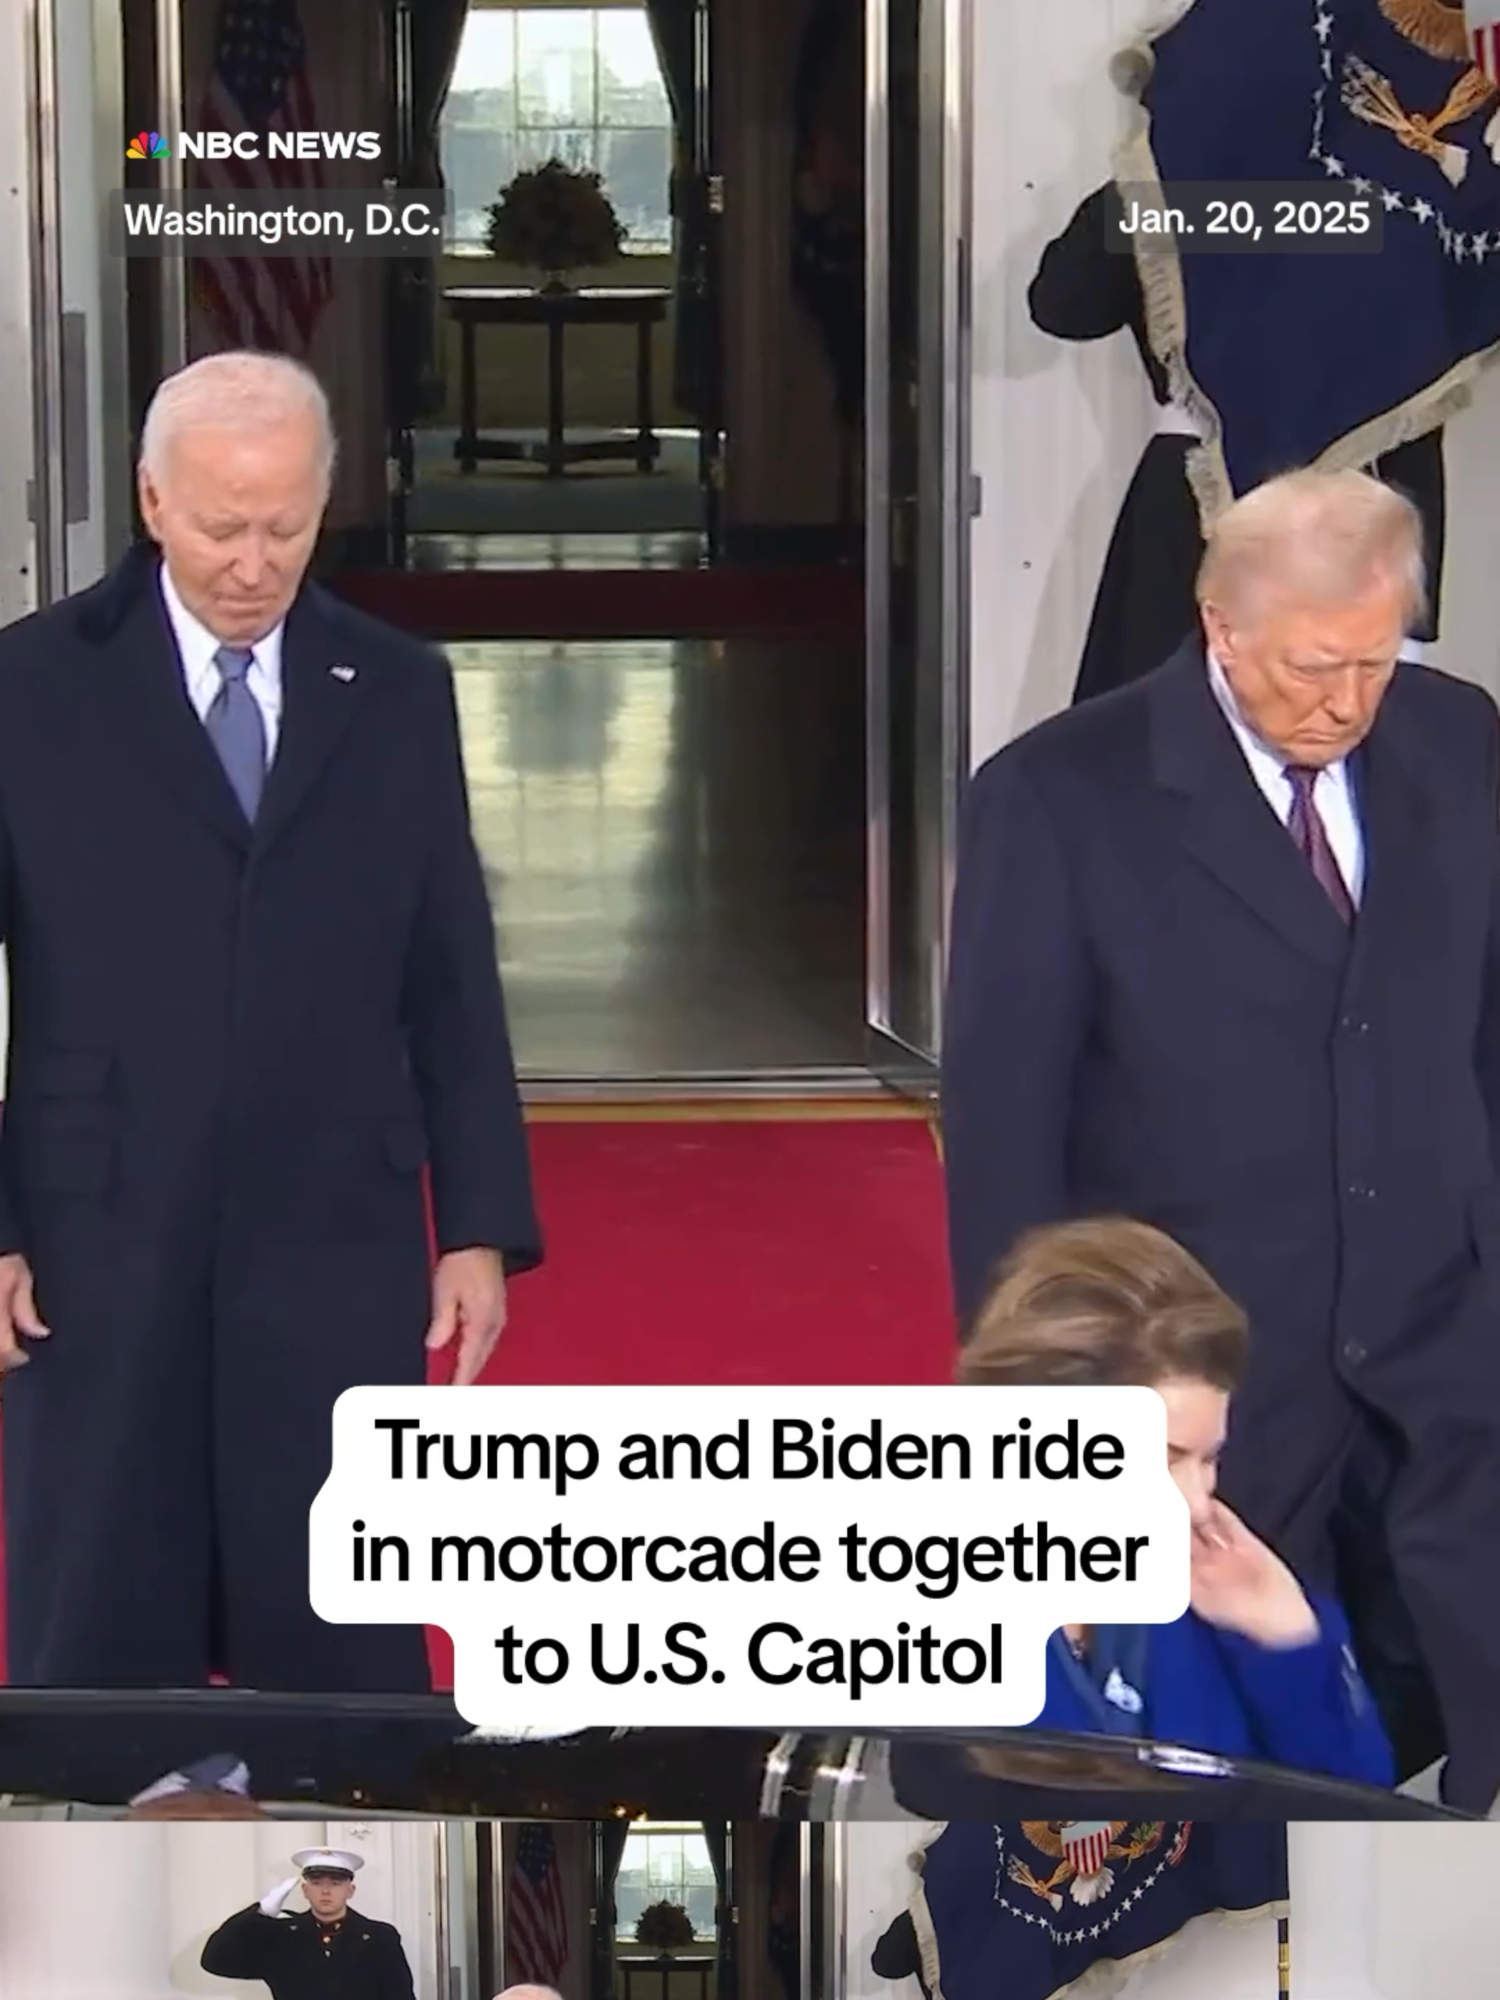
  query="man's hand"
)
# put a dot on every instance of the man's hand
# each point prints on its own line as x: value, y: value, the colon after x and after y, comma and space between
x: 1242, y: 1586
x: 19, y: 1318
x: 468, y: 1304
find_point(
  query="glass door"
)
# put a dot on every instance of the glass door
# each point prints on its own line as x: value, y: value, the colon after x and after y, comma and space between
x: 73, y: 112
x: 700, y: 276
x: 916, y: 501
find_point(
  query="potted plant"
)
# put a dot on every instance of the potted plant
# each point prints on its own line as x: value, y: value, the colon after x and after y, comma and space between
x: 664, y: 1928
x: 555, y: 219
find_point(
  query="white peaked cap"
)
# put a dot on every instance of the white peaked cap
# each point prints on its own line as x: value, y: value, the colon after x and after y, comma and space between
x: 326, y: 1857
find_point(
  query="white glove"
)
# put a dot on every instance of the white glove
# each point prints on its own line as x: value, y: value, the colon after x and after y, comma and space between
x: 270, y: 1903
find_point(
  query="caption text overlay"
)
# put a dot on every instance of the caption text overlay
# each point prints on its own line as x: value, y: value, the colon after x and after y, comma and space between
x: 756, y: 1558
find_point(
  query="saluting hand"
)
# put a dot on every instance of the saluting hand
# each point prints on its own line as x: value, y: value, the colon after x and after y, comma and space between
x: 19, y: 1318
x: 1242, y: 1586
x: 468, y: 1305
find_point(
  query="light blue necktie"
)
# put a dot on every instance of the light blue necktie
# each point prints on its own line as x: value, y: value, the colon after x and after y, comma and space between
x: 237, y: 729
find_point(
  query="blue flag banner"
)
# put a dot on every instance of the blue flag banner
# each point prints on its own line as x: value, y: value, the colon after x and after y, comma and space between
x: 1023, y: 1912
x: 1315, y: 358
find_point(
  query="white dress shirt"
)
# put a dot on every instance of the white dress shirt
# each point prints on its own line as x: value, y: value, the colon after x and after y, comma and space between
x: 1332, y: 794
x: 196, y: 647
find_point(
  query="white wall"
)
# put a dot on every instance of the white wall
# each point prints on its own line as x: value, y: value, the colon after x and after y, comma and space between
x: 1377, y: 1913
x: 104, y: 1911
x: 1057, y: 428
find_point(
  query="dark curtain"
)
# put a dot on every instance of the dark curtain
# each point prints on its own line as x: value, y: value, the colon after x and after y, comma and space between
x: 612, y: 1835
x: 716, y: 1835
x: 437, y: 28
x: 674, y: 30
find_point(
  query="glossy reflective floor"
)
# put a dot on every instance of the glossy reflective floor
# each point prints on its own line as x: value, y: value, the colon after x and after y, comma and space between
x: 673, y: 834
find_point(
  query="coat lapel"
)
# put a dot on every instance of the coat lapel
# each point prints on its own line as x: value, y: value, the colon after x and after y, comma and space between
x: 146, y: 701
x: 1227, y: 823
x: 144, y: 696
x: 1402, y: 856
x: 323, y: 689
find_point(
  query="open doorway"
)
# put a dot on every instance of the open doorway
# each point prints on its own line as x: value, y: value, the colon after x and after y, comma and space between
x: 644, y: 1910
x: 713, y: 781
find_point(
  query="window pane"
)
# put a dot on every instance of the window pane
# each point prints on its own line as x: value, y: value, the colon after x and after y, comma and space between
x: 637, y: 169
x: 555, y: 54
x: 631, y: 91
x: 477, y: 163
x: 576, y: 84
x: 535, y: 146
x: 487, y: 61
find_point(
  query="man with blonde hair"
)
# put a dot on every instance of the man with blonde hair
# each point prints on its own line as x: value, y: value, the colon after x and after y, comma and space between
x: 253, y: 992
x: 1226, y: 958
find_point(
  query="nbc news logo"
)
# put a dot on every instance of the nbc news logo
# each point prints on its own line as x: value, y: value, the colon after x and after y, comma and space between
x: 148, y: 146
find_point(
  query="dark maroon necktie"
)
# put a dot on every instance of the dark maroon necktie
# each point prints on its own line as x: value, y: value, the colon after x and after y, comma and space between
x: 1311, y: 836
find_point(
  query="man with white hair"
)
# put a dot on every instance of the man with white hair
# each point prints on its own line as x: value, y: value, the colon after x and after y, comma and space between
x: 254, y: 992
x: 1226, y: 959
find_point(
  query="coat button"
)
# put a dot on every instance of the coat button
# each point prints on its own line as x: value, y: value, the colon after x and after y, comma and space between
x: 1354, y: 1354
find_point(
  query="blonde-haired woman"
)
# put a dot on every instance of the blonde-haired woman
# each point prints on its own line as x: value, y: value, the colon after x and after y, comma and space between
x: 1256, y: 1667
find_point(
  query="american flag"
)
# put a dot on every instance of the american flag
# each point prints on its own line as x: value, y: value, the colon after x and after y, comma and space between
x: 536, y: 1933
x: 260, y: 84
x: 1483, y: 20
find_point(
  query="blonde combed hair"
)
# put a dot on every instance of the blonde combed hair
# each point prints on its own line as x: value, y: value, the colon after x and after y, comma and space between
x: 1318, y: 536
x: 1102, y: 1303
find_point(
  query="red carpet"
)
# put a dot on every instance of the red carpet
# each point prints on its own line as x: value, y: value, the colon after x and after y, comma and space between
x: 694, y: 1246
x: 823, y: 606
x: 799, y: 1249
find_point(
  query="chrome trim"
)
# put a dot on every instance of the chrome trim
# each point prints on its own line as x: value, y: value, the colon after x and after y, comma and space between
x: 172, y: 267
x: 469, y: 1857
x: 958, y: 428
x: 109, y: 419
x: 748, y: 1084
x: 443, y: 1983
x: 943, y: 508
x: 837, y: 1941
x: 878, y: 501
x: 49, y: 511
x: 848, y: 1787
x: 773, y: 1779
x: 804, y: 1911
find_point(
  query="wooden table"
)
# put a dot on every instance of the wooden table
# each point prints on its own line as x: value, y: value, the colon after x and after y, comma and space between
x: 696, y: 1966
x: 474, y: 306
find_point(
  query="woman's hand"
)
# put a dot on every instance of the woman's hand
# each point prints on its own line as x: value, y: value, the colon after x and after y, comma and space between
x: 1241, y: 1586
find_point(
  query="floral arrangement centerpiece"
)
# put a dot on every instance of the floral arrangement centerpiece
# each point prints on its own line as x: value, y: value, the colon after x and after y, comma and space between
x: 664, y: 1927
x: 555, y: 219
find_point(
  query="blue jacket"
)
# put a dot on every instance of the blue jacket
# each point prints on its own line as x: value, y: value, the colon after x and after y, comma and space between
x: 1305, y: 1708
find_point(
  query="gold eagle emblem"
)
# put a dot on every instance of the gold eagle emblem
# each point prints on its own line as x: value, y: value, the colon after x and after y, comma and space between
x: 1127, y: 1844
x: 1435, y: 26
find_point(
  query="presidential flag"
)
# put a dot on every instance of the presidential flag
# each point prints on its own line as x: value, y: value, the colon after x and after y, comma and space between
x: 1023, y: 1912
x: 260, y: 83
x: 536, y: 1921
x: 1311, y: 357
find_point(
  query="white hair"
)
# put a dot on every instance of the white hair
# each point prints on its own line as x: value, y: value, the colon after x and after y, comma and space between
x: 234, y: 392
x: 1315, y: 537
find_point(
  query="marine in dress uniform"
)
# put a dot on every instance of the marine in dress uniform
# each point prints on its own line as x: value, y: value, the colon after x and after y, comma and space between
x: 329, y: 1951
x: 1144, y: 608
